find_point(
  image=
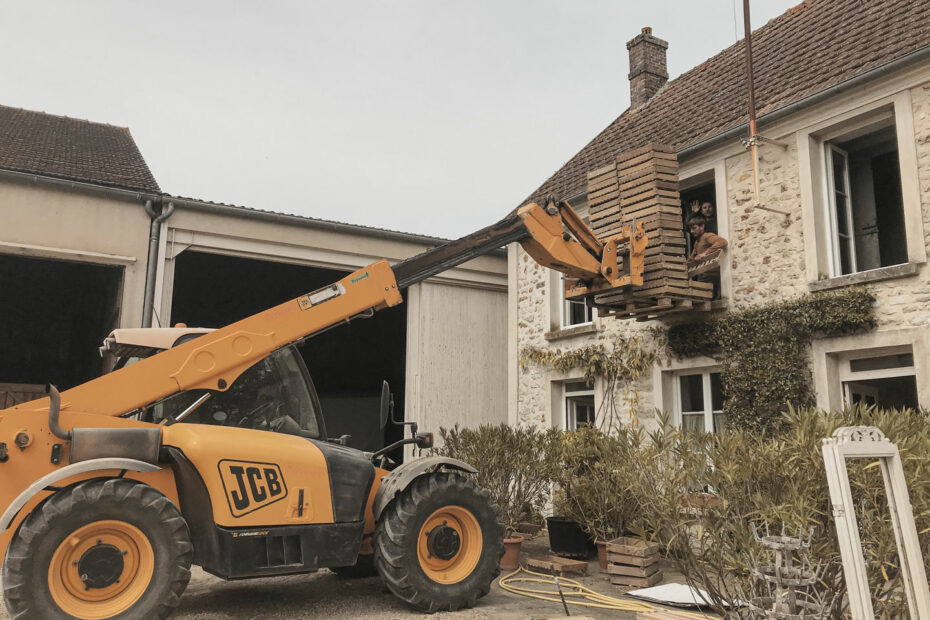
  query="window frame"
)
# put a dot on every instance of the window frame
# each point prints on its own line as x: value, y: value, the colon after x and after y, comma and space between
x: 561, y: 415
x: 847, y: 376
x: 566, y: 305
x: 706, y: 396
x: 837, y: 122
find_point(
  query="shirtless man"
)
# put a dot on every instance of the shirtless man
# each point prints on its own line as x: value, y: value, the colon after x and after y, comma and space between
x: 706, y: 244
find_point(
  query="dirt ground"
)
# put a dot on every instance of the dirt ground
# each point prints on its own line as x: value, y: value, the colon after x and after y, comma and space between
x: 325, y: 595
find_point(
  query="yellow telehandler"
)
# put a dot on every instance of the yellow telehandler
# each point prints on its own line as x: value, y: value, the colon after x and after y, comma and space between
x: 211, y: 450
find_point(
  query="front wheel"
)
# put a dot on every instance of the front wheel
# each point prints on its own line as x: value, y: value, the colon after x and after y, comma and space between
x: 438, y: 545
x: 111, y: 548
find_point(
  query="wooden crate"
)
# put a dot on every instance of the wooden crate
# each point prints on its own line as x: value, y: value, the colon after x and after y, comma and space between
x: 641, y: 187
x: 627, y: 545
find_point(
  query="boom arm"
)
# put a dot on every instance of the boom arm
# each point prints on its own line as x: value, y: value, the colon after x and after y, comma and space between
x: 554, y: 236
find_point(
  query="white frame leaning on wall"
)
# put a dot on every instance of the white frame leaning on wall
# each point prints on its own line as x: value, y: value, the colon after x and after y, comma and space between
x: 869, y: 442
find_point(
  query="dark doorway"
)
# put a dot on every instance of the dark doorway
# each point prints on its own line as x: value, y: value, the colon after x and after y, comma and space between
x: 347, y: 363
x: 53, y: 317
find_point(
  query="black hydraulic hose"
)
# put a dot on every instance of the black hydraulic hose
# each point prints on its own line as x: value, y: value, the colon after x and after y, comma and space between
x: 54, y: 408
x: 454, y: 253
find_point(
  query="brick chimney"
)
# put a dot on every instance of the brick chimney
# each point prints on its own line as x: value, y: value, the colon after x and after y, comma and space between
x: 647, y: 66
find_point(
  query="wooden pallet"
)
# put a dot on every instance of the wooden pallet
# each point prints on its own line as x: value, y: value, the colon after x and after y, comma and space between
x: 564, y: 566
x: 641, y: 187
x: 633, y: 562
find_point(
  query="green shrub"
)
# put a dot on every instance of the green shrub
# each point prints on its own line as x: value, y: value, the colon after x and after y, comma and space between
x: 764, y: 350
x: 515, y: 464
x: 774, y: 480
x: 594, y: 486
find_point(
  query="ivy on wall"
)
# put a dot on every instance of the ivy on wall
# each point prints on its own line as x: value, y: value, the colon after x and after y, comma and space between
x: 764, y: 350
x: 621, y: 366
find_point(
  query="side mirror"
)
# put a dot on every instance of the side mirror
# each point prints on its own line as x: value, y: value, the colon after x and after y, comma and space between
x: 344, y: 440
x: 385, y: 403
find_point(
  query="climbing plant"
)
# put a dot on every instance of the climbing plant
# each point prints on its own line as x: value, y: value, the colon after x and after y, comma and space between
x: 763, y: 350
x: 620, y: 367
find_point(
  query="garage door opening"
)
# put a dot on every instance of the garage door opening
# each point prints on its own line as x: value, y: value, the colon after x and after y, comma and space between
x: 347, y: 363
x: 53, y: 316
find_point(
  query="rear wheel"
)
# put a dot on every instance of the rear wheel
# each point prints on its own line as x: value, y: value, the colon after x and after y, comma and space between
x: 438, y: 545
x: 112, y: 548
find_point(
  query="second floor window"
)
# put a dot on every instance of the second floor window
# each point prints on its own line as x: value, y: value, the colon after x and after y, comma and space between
x: 574, y: 312
x: 864, y: 202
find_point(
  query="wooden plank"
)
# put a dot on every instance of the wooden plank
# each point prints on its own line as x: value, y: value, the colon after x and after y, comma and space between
x: 646, y: 168
x: 632, y: 560
x: 631, y: 158
x: 659, y: 147
x: 640, y: 582
x: 632, y: 571
x: 560, y: 564
x: 632, y: 546
x: 608, y: 169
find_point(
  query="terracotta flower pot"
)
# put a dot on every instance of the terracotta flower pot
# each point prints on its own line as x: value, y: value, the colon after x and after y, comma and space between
x: 511, y: 558
x: 602, y: 554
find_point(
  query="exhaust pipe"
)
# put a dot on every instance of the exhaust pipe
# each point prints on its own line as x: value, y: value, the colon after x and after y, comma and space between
x: 54, y: 408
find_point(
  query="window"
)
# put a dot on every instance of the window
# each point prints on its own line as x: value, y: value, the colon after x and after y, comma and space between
x: 864, y: 200
x: 579, y: 405
x: 886, y: 379
x: 700, y: 401
x: 573, y: 312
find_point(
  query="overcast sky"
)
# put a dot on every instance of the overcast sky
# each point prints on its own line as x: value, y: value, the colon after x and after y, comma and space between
x: 425, y: 116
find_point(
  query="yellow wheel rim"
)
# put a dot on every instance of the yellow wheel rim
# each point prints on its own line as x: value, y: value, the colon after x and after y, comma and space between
x: 449, y: 544
x: 85, y: 577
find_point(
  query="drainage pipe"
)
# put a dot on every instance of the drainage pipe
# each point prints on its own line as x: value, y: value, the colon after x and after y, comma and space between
x: 152, y: 263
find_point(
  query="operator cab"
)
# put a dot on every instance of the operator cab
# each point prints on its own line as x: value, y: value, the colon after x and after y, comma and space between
x: 275, y: 394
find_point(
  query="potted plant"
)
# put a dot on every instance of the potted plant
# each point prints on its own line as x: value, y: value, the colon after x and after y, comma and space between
x: 594, y: 489
x: 515, y: 465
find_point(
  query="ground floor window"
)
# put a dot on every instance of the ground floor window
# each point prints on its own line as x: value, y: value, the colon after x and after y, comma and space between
x: 699, y: 397
x: 579, y: 405
x: 884, y: 380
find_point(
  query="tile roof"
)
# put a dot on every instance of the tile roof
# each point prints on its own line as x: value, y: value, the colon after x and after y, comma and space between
x: 809, y: 48
x: 74, y: 149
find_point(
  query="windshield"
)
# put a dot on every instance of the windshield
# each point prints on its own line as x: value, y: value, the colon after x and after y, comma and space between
x: 272, y: 395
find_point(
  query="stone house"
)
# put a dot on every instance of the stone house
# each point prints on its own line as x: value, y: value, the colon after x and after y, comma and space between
x: 89, y: 242
x: 842, y: 93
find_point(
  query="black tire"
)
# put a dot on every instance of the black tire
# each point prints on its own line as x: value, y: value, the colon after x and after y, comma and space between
x: 364, y: 567
x: 397, y: 538
x: 153, y: 519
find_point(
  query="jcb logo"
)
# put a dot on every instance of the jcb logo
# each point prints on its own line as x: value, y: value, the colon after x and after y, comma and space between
x: 250, y: 486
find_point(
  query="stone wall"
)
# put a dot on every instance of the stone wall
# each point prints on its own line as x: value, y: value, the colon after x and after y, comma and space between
x: 767, y: 262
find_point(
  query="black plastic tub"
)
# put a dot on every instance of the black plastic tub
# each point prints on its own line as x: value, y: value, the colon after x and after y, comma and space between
x: 567, y: 538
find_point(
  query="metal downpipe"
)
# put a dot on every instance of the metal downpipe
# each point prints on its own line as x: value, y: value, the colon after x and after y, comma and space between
x: 152, y: 263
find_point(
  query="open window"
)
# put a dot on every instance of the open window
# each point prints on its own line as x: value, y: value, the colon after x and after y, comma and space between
x: 864, y: 199
x: 860, y: 195
x: 574, y: 312
x: 880, y: 378
x: 579, y: 405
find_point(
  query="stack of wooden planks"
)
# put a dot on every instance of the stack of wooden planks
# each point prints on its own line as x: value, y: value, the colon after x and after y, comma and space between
x: 642, y: 186
x: 633, y: 562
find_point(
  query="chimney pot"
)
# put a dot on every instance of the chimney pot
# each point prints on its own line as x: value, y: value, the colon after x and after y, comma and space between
x: 647, y: 66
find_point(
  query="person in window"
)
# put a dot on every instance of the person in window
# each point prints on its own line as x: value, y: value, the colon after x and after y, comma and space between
x: 706, y: 246
x: 707, y: 210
